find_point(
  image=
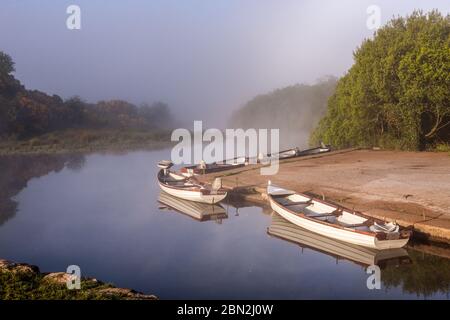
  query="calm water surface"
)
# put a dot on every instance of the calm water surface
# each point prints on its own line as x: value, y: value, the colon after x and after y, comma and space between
x: 101, y: 212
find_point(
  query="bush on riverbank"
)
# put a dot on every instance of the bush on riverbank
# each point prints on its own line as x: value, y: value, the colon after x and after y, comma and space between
x: 443, y: 147
x: 396, y: 95
x: 295, y: 110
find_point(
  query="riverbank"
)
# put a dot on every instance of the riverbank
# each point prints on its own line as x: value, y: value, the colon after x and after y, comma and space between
x: 412, y: 188
x: 24, y: 281
x: 85, y: 141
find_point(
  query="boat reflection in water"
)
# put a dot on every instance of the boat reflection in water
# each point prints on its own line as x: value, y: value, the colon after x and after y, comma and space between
x: 196, y: 210
x: 283, y: 229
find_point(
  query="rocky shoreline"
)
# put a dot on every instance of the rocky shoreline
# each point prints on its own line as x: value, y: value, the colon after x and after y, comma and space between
x: 25, y: 281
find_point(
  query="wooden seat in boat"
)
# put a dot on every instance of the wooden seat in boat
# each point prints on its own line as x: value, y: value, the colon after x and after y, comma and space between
x: 366, y: 223
x: 296, y: 203
x: 321, y: 215
x: 335, y: 213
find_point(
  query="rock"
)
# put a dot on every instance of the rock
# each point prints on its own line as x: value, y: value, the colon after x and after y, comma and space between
x: 58, y: 277
x: 6, y: 265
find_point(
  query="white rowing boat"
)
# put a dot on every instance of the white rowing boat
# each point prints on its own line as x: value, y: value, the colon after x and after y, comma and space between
x: 296, y: 152
x: 205, y: 168
x: 308, y: 152
x: 190, y: 189
x: 336, y: 222
x: 283, y: 229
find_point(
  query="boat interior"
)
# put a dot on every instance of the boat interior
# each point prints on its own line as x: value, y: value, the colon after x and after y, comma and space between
x: 176, y: 180
x: 314, y: 209
x: 232, y: 162
x: 179, y: 181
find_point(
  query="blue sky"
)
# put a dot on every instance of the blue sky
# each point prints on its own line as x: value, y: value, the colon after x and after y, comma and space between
x: 205, y: 58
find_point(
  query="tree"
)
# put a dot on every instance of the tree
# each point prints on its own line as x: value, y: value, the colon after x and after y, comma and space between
x: 397, y: 93
x: 26, y: 113
x: 8, y: 85
x: 6, y: 64
x: 295, y: 110
x: 156, y: 115
x: 74, y: 113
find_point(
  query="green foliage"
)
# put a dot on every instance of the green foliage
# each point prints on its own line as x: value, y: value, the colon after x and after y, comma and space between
x: 397, y: 93
x: 25, y: 282
x: 427, y: 275
x: 31, y: 286
x: 442, y: 147
x: 295, y: 110
x: 121, y: 114
x: 6, y: 64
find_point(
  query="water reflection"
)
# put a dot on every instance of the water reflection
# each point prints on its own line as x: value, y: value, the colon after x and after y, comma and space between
x: 238, y: 203
x: 413, y: 269
x: 17, y: 170
x: 281, y: 228
x: 106, y: 214
x: 196, y: 210
x: 427, y: 275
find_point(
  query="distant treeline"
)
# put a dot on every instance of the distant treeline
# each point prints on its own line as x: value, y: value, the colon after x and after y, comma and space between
x: 397, y: 93
x: 295, y: 110
x: 25, y: 113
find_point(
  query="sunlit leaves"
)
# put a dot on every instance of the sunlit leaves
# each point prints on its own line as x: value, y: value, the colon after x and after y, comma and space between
x: 397, y: 93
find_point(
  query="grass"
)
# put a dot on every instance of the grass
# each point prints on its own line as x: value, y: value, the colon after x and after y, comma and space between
x: 31, y: 286
x: 443, y: 147
x: 85, y: 140
x: 25, y: 282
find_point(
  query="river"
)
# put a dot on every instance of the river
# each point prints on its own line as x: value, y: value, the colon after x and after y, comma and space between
x: 101, y: 212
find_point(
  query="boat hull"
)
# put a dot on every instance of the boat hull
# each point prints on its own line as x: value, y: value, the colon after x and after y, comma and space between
x: 192, y: 195
x: 281, y: 228
x: 342, y: 234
